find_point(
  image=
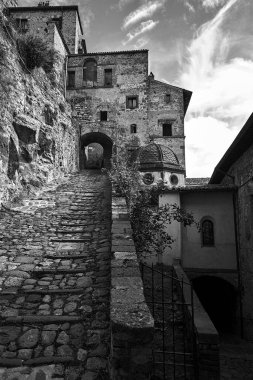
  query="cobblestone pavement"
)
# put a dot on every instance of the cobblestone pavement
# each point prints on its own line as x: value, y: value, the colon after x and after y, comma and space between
x: 55, y: 282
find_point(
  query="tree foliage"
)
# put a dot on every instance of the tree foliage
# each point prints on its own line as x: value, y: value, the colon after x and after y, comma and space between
x: 147, y: 218
x: 35, y: 52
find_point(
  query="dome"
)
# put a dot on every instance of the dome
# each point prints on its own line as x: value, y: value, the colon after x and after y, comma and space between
x: 157, y: 156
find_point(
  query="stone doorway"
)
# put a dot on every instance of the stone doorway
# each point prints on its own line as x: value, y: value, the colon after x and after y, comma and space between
x: 219, y: 299
x: 96, y: 151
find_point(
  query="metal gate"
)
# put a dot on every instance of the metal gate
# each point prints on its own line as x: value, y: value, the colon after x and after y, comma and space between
x: 174, y: 348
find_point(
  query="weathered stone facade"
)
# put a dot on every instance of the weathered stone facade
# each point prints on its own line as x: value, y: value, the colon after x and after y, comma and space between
x: 138, y: 123
x: 236, y: 167
x: 36, y: 20
x: 38, y: 141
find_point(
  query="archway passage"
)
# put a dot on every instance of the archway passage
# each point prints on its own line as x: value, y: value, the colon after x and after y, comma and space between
x: 219, y: 299
x: 104, y: 153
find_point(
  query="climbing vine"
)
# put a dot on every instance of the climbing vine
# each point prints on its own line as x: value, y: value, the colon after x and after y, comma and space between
x: 147, y: 218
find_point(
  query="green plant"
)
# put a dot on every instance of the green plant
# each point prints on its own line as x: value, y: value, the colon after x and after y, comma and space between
x: 35, y: 52
x: 147, y: 218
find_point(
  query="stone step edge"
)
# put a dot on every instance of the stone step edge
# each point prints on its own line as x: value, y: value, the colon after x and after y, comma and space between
x: 56, y: 271
x: 66, y: 256
x: 82, y: 240
x: 42, y: 291
x: 11, y: 363
x: 39, y: 319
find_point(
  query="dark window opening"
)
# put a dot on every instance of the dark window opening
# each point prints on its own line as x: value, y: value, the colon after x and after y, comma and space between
x: 167, y: 98
x: 207, y: 232
x: 103, y: 115
x: 133, y: 128
x: 71, y: 79
x: 132, y: 102
x: 167, y: 130
x: 22, y: 25
x: 108, y: 77
x: 90, y: 71
x: 58, y: 22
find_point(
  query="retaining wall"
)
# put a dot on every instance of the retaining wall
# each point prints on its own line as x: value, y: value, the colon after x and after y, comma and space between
x: 132, y: 325
x: 207, y: 337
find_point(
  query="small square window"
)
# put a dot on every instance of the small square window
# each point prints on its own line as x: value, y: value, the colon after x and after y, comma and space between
x: 103, y: 115
x: 132, y: 102
x: 167, y: 98
x: 167, y: 130
x: 133, y: 128
x: 71, y: 79
x: 22, y: 25
x: 108, y: 77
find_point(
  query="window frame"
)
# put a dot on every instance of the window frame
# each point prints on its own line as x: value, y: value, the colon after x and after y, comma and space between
x: 163, y: 128
x: 130, y: 98
x: 87, y: 72
x: 203, y: 243
x: 74, y: 76
x: 105, y: 72
x: 167, y: 98
x: 133, y: 128
x: 103, y: 113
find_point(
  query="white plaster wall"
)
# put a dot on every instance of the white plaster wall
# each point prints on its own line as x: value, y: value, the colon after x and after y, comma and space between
x: 218, y: 206
x: 174, y: 229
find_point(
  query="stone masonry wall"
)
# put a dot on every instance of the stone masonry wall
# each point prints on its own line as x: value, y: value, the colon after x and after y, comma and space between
x: 132, y: 325
x: 242, y: 170
x: 38, y: 18
x: 161, y: 111
x: 37, y: 140
x: 129, y: 78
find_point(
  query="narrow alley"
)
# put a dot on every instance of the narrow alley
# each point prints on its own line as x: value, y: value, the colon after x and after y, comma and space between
x: 55, y: 283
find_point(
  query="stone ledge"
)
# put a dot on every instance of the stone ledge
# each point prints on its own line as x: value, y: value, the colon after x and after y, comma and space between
x: 132, y: 325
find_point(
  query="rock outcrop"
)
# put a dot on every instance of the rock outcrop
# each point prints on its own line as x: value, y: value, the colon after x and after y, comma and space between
x: 38, y: 142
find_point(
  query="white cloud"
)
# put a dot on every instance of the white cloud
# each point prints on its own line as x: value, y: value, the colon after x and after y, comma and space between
x: 207, y: 139
x: 140, y: 43
x: 144, y: 11
x: 189, y: 6
x: 213, y: 3
x: 122, y: 4
x: 145, y: 26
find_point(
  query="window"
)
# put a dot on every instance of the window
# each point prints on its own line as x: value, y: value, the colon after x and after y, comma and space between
x: 174, y: 179
x: 58, y: 22
x: 90, y: 71
x: 133, y: 128
x: 22, y: 25
x: 108, y: 77
x: 132, y: 102
x: 71, y: 79
x: 207, y: 232
x: 103, y: 115
x: 167, y: 98
x: 167, y: 130
x: 148, y: 178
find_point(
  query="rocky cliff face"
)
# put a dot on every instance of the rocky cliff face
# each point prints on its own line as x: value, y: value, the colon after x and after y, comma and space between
x: 37, y: 140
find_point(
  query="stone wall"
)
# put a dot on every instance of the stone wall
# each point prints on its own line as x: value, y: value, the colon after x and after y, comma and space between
x: 38, y: 18
x: 206, y: 336
x: 129, y: 78
x: 166, y: 105
x: 242, y: 171
x: 38, y: 141
x: 132, y: 326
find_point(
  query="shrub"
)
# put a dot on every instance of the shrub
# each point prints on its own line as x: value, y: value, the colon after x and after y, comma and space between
x: 147, y: 220
x: 35, y: 52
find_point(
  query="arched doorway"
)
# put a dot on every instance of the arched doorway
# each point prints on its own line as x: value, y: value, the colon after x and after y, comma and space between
x: 219, y: 299
x: 96, y: 151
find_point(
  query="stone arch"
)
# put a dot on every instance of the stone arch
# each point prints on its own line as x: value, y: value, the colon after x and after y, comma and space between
x: 99, y: 138
x: 220, y: 300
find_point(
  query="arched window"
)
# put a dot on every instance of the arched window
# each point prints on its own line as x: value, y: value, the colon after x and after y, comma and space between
x: 90, y: 70
x: 207, y: 233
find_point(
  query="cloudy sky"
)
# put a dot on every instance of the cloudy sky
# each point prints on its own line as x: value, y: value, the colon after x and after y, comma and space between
x: 205, y: 46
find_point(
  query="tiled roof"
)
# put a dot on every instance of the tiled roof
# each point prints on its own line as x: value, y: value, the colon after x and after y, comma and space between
x: 153, y: 153
x: 196, y: 181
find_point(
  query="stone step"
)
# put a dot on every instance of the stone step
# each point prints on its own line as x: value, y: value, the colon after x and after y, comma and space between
x: 11, y: 363
x: 38, y: 272
x: 81, y: 256
x: 40, y: 319
x: 42, y: 291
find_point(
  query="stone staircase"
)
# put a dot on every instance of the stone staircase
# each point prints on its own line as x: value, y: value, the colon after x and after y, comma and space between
x: 55, y: 275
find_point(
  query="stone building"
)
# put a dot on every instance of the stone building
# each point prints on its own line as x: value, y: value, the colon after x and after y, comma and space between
x: 235, y: 167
